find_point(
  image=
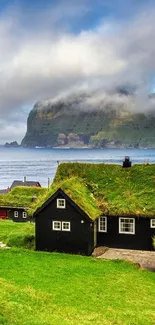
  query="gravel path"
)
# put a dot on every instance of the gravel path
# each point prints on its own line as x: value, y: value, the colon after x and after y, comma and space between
x: 146, y: 259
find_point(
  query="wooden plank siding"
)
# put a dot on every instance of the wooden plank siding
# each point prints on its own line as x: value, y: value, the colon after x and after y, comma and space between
x: 11, y: 215
x: 141, y: 240
x: 80, y: 238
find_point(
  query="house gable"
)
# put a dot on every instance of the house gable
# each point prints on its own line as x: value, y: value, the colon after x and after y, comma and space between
x: 60, y: 194
x: 65, y: 228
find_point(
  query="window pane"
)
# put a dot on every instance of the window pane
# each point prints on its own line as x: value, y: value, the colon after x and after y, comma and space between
x: 56, y: 225
x: 103, y: 224
x: 61, y: 203
x: 126, y: 225
x: 152, y: 223
x: 24, y: 214
x: 66, y: 225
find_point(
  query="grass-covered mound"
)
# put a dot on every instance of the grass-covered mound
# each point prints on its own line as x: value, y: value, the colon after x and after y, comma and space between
x: 107, y: 188
x: 21, y: 196
x: 39, y: 288
x: 16, y: 234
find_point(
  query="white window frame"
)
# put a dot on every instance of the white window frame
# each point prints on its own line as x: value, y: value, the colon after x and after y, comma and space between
x: 24, y: 214
x: 16, y: 214
x: 59, y: 206
x: 55, y: 227
x: 127, y: 232
x: 99, y: 224
x: 69, y: 228
x: 152, y: 223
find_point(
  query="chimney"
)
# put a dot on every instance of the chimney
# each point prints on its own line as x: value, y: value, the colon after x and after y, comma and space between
x: 34, y: 198
x: 24, y: 179
x: 48, y: 182
x: 127, y: 162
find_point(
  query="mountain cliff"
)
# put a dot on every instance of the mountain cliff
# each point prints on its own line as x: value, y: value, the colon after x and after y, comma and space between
x: 81, y: 121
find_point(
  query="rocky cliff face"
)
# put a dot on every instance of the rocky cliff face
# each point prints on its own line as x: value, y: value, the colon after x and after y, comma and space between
x: 79, y: 122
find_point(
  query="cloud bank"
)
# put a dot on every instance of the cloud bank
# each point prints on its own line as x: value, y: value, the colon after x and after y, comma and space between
x: 47, y: 59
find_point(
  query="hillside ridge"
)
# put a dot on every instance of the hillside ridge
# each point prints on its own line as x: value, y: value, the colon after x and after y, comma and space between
x: 77, y: 122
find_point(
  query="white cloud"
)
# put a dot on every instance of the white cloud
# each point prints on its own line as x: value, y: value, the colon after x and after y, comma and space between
x: 43, y: 62
x: 11, y: 131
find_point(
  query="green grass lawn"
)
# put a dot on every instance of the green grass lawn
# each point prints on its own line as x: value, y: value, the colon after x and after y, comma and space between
x: 38, y: 288
x: 17, y: 234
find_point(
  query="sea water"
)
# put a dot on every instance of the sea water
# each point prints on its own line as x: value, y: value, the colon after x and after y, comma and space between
x: 39, y: 164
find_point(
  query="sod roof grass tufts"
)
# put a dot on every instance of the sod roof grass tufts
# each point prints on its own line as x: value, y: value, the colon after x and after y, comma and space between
x: 21, y: 196
x: 108, y: 189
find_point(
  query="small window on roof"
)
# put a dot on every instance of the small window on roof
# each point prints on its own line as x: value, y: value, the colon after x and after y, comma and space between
x: 152, y: 223
x: 16, y: 214
x: 61, y: 203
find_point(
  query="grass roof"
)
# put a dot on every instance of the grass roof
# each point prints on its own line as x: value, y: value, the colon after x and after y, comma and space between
x: 21, y: 196
x: 107, y: 189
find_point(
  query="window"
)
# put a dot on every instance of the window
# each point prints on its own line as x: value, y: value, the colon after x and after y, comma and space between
x: 56, y: 225
x: 152, y: 223
x: 102, y: 224
x: 24, y: 215
x: 65, y: 226
x: 127, y: 226
x: 61, y: 203
x: 16, y: 214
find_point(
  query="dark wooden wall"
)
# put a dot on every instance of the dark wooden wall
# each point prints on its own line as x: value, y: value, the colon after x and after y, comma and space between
x: 142, y: 240
x: 79, y: 240
x: 10, y: 215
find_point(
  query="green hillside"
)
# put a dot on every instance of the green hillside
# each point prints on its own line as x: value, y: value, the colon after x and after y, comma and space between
x: 66, y: 124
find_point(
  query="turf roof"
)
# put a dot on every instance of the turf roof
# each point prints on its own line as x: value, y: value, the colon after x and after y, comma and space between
x: 21, y: 196
x: 107, y: 189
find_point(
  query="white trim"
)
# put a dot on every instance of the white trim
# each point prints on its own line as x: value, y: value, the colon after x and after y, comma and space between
x: 68, y: 223
x: 99, y: 224
x: 61, y: 203
x: 24, y: 214
x: 127, y: 232
x: 152, y: 223
x: 16, y: 214
x: 55, y: 227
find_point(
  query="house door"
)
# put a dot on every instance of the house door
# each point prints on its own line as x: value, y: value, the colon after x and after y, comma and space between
x: 3, y: 214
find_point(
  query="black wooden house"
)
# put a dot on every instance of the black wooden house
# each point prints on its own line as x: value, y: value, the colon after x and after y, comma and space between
x: 61, y: 225
x: 98, y: 205
x: 16, y: 204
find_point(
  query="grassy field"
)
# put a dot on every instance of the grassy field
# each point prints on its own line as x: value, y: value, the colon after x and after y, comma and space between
x: 38, y: 288
x: 17, y: 234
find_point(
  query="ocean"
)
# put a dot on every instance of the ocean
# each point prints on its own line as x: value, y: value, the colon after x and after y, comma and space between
x: 39, y: 164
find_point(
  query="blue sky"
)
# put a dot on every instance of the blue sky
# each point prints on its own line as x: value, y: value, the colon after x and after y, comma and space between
x: 90, y: 12
x: 51, y: 48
